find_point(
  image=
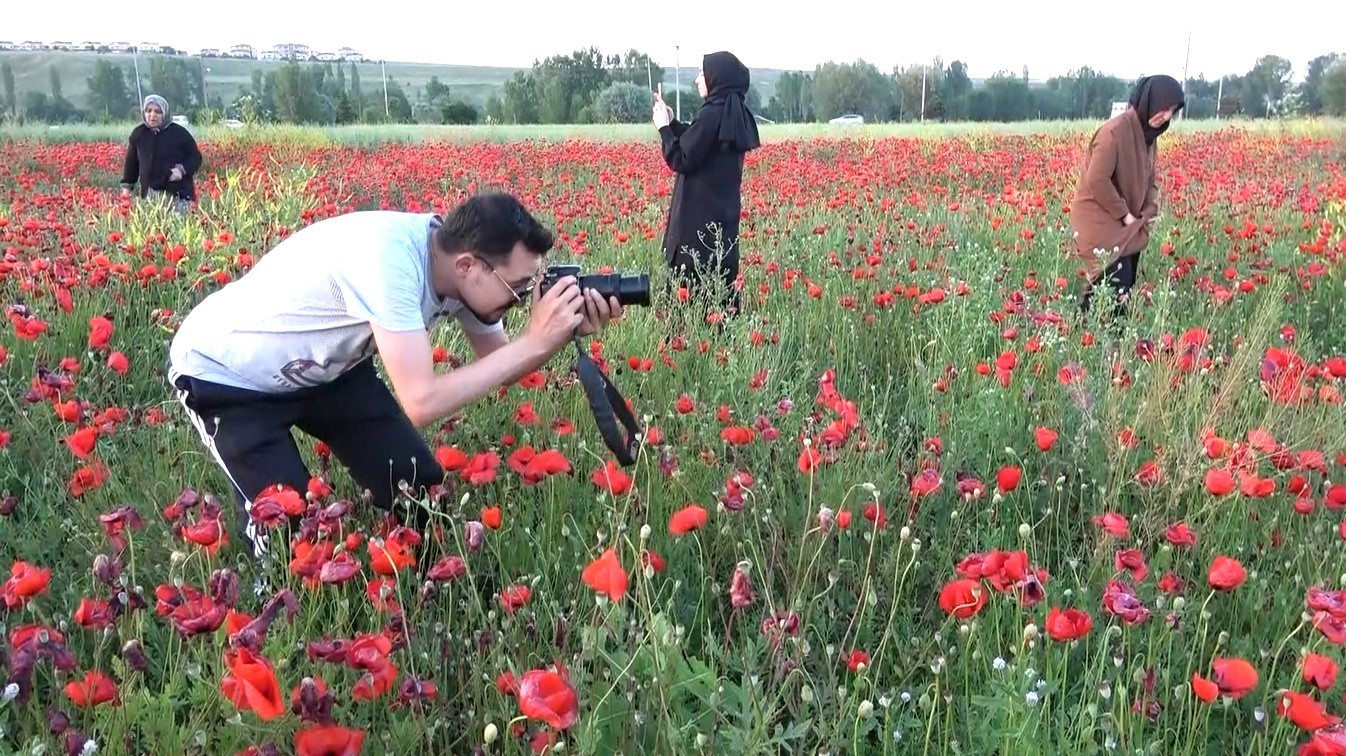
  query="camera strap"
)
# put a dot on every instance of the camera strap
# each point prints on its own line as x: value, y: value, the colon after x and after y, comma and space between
x: 609, y: 409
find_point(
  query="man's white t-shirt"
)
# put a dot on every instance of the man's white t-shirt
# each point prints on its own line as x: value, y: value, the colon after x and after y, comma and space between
x: 301, y: 317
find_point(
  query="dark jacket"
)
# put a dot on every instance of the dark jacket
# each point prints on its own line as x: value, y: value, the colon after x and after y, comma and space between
x: 150, y: 158
x: 707, y: 191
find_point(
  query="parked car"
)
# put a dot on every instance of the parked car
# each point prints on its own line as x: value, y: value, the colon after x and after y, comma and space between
x: 850, y: 119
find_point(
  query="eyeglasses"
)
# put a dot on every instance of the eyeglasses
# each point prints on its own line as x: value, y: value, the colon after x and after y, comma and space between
x: 520, y: 296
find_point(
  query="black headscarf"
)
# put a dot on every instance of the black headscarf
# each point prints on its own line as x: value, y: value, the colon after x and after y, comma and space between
x: 727, y: 82
x: 1152, y: 95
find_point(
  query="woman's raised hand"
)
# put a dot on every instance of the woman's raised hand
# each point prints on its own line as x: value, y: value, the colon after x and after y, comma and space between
x: 663, y: 114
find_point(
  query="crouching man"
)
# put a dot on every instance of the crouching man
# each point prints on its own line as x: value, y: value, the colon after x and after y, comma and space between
x: 291, y: 343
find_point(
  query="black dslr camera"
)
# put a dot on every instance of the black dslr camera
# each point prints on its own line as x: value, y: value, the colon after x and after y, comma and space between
x: 629, y: 290
x: 616, y: 422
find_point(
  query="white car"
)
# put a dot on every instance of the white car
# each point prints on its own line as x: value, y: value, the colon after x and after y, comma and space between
x: 850, y: 119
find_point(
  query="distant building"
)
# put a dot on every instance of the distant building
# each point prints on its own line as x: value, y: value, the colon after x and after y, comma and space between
x: 284, y: 51
x: 287, y: 51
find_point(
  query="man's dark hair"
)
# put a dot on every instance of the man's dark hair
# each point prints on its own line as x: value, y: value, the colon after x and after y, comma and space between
x: 490, y: 225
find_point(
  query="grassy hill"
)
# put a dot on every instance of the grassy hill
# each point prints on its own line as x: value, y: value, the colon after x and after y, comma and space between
x: 227, y: 76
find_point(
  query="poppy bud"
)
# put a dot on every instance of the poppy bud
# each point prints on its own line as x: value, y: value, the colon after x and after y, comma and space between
x: 134, y: 655
x: 476, y: 535
x: 57, y: 722
x: 76, y: 743
x: 106, y: 569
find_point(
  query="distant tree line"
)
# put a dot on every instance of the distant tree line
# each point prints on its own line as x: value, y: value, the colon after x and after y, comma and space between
x: 588, y: 86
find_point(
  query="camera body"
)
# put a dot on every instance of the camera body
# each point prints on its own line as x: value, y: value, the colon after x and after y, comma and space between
x: 629, y: 289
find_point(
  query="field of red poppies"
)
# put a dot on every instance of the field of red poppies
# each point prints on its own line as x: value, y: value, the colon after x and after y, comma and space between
x: 907, y: 503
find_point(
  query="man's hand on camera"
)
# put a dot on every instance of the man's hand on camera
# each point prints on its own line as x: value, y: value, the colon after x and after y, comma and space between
x: 556, y: 315
x: 598, y: 312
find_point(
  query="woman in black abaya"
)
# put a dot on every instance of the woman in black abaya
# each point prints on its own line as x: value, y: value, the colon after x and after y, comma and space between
x: 702, y: 238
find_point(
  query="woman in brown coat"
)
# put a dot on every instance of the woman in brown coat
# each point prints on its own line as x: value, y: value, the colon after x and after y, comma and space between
x: 1117, y: 198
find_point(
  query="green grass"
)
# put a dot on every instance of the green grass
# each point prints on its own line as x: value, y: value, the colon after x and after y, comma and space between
x: 909, y: 272
x: 373, y: 134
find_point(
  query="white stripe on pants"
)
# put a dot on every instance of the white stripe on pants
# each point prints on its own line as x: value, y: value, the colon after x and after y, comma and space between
x: 256, y: 535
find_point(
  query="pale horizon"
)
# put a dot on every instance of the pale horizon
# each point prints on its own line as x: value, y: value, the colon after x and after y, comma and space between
x: 1049, y: 39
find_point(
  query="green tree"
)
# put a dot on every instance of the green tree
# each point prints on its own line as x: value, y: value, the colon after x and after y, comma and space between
x: 357, y: 93
x: 635, y: 67
x: 690, y: 101
x: 1312, y: 87
x: 957, y: 90
x: 398, y: 106
x: 495, y: 109
x: 1003, y: 98
x: 1267, y: 85
x: 36, y: 106
x: 794, y: 93
x: 840, y: 88
x: 297, y: 94
x: 345, y: 109
x: 461, y: 113
x: 177, y: 80
x: 108, y: 93
x: 1334, y: 89
x: 520, y: 103
x: 914, y: 84
x: 567, y: 84
x: 11, y: 101
x: 623, y: 102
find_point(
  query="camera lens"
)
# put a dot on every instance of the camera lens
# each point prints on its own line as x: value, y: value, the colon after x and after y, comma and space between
x: 634, y: 290
x: 629, y: 290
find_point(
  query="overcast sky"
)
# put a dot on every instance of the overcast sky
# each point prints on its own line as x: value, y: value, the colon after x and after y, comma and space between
x: 1049, y: 36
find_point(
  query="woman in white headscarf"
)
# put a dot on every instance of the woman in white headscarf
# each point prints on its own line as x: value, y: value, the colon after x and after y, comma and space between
x: 161, y: 156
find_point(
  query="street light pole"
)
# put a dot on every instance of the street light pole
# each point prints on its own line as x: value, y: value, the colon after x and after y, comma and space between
x: 387, y: 111
x: 1186, y: 59
x: 135, y: 59
x: 677, y: 80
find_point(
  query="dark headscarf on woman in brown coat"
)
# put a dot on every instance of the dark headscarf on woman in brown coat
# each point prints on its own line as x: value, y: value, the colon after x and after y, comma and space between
x: 1119, y: 177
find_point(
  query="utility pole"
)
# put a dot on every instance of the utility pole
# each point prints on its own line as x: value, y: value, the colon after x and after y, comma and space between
x: 677, y: 81
x: 1186, y: 59
x: 1219, y: 94
x: 924, y: 68
x: 387, y: 111
x: 135, y: 59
